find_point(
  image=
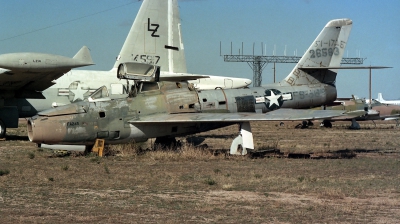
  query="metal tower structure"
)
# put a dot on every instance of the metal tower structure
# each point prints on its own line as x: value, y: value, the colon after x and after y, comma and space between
x: 257, y: 63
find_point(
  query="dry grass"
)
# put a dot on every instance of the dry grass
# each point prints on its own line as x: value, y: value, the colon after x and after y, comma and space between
x: 201, y: 184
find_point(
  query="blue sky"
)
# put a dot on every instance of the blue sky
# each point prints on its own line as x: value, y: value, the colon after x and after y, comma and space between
x: 63, y: 27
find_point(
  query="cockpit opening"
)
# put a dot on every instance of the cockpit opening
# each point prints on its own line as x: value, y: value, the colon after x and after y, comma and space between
x: 101, y: 94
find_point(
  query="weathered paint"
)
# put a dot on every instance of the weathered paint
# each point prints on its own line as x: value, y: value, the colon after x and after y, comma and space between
x: 83, y: 122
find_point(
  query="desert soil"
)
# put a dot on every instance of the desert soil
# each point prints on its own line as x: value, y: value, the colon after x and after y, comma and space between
x: 313, y: 175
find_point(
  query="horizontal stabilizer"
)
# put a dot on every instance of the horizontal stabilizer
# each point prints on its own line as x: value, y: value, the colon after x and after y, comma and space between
x: 181, y: 77
x: 343, y: 67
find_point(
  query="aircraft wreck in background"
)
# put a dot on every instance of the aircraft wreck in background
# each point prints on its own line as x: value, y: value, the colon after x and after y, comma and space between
x: 374, y: 111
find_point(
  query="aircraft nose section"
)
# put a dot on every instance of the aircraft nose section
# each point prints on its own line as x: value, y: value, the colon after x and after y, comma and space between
x: 42, y: 130
x: 248, y: 81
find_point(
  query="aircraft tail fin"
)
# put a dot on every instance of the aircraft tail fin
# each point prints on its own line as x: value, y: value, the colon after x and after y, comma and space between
x: 83, y: 56
x: 326, y: 51
x: 380, y: 98
x: 155, y: 37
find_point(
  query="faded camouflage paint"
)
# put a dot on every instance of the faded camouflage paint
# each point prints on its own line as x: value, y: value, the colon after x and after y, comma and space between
x: 84, y: 122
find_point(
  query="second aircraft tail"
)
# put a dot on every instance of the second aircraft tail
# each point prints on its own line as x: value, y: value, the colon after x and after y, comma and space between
x: 326, y: 51
x: 155, y: 37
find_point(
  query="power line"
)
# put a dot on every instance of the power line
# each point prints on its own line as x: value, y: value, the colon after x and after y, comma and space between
x: 62, y: 23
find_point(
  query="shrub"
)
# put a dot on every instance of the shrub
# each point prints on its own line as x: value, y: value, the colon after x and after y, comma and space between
x: 210, y: 181
x: 31, y: 155
x: 4, y: 172
x: 65, y: 167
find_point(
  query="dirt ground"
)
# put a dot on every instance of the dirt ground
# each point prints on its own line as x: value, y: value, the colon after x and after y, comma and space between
x: 313, y: 175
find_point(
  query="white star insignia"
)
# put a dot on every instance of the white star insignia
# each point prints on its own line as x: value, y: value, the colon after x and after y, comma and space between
x: 78, y: 93
x: 273, y: 99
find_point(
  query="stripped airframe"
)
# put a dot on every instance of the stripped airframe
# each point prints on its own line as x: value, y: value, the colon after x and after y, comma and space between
x: 166, y: 109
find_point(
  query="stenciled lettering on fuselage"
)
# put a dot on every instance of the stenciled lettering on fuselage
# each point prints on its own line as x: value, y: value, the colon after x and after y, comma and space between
x: 73, y: 123
x: 312, y: 93
x: 273, y: 98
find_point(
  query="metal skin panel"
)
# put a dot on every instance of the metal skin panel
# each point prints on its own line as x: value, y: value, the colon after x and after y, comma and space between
x: 298, y: 97
x: 178, y: 97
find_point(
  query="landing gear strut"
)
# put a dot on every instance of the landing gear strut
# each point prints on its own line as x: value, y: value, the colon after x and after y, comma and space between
x: 354, y: 124
x: 243, y: 141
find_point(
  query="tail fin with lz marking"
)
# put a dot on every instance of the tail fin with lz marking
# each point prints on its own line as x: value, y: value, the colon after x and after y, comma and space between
x: 155, y: 37
x: 326, y: 51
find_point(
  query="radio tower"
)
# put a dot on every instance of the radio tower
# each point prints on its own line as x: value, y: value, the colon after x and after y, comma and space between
x: 258, y: 62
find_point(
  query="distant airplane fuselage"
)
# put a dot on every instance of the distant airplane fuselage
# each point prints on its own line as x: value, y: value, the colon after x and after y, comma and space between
x: 393, y: 102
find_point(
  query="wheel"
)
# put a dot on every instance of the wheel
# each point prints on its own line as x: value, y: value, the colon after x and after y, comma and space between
x: 326, y: 124
x: 304, y: 124
x: 2, y: 129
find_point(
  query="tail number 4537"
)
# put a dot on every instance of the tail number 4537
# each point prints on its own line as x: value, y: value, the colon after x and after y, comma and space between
x: 147, y: 59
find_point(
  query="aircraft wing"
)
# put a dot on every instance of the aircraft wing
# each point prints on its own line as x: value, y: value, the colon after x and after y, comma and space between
x: 25, y: 75
x: 391, y: 117
x: 22, y: 82
x: 276, y: 115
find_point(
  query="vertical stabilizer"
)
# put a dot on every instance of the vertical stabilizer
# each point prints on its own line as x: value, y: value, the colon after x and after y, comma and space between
x: 155, y: 37
x: 380, y: 98
x: 83, y: 56
x: 326, y: 51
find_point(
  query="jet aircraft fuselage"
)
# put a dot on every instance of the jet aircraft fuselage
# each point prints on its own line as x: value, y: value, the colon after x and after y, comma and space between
x: 84, y: 122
